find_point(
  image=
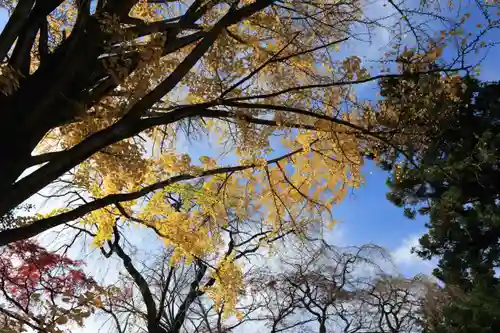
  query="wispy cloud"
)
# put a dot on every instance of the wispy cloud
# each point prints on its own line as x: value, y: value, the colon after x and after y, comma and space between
x: 337, y: 236
x: 409, y: 262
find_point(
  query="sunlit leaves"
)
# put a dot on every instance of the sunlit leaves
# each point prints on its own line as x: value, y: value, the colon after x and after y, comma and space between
x: 228, y: 286
x: 260, y: 81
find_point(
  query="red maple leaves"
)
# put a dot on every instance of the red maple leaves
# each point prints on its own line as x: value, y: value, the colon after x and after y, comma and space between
x: 42, y: 289
x: 27, y: 268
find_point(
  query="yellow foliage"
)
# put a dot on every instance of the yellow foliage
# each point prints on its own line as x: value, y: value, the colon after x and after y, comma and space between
x: 266, y: 92
x: 105, y: 221
x: 228, y: 286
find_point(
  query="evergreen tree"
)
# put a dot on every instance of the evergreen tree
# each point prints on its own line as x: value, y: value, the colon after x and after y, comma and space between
x: 452, y: 174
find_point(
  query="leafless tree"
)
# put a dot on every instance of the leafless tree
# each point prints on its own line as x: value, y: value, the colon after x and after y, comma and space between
x: 327, y: 290
x: 341, y: 290
x: 157, y: 296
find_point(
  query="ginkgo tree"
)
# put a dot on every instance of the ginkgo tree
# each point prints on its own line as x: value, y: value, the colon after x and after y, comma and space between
x: 243, y: 70
x: 95, y: 94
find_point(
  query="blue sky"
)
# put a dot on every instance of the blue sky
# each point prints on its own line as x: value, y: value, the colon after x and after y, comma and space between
x: 368, y: 217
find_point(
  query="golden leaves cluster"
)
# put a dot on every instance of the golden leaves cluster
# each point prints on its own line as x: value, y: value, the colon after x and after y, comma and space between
x: 296, y: 42
x: 228, y: 286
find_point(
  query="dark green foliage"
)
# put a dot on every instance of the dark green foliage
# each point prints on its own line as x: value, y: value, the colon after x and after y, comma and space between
x: 454, y: 178
x: 475, y: 312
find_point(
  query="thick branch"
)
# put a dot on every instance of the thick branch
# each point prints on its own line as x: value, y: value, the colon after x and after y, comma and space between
x: 43, y: 48
x: 127, y: 126
x: 233, y: 16
x: 139, y: 281
x: 72, y: 157
x: 16, y: 22
x: 37, y: 227
x: 44, y: 158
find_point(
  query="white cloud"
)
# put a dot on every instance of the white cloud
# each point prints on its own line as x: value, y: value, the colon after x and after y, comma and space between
x: 402, y: 255
x: 409, y: 262
x: 337, y: 235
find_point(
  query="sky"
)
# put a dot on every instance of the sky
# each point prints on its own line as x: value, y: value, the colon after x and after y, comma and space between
x: 366, y: 216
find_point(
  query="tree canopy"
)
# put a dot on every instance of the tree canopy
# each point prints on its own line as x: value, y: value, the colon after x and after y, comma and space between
x: 453, y: 178
x: 102, y: 101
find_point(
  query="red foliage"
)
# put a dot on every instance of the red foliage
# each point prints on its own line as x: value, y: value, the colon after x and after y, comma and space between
x: 27, y: 268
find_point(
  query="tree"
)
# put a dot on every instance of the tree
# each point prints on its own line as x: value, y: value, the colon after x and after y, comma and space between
x: 343, y: 290
x: 325, y: 289
x: 453, y: 177
x: 95, y: 92
x: 42, y: 290
x: 173, y: 294
x: 102, y: 82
